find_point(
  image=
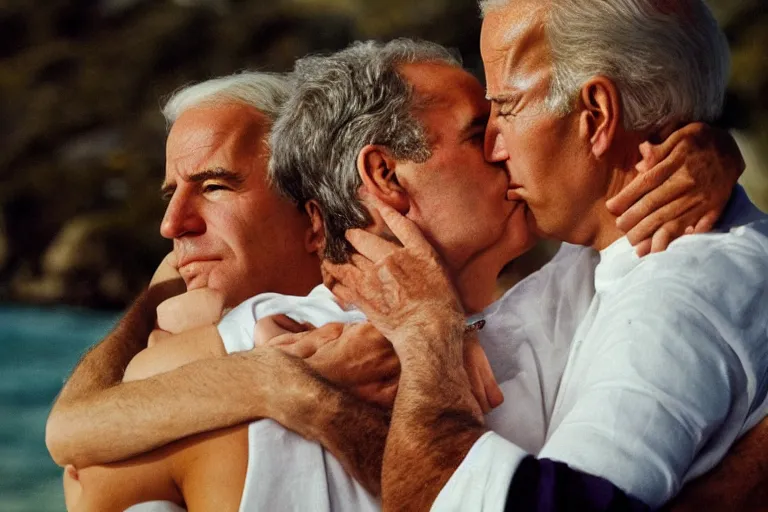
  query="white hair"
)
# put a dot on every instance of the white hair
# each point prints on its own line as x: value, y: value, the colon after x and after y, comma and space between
x: 266, y: 92
x: 669, y: 60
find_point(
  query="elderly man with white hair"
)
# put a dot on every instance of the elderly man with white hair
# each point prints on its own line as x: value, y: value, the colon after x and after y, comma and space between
x: 669, y: 366
x: 213, y: 188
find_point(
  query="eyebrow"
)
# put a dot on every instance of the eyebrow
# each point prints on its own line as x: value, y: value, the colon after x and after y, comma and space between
x: 478, y: 122
x: 502, y: 98
x: 217, y: 173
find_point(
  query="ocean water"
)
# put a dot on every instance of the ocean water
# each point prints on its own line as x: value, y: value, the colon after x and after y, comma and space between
x: 38, y: 349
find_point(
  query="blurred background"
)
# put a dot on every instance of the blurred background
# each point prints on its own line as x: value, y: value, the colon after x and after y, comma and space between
x: 82, y: 150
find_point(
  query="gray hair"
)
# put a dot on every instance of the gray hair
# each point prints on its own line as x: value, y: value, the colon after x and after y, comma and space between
x: 341, y: 103
x: 669, y: 60
x: 266, y: 92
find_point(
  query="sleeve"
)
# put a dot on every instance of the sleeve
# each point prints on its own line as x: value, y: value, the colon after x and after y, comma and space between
x: 481, y: 481
x: 236, y: 327
x: 658, y: 385
x: 549, y: 486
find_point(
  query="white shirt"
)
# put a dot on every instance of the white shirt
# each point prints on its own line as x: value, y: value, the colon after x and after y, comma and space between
x: 526, y: 338
x: 667, y: 369
x: 286, y: 471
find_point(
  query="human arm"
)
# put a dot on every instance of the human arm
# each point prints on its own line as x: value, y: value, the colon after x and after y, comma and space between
x: 201, y: 473
x: 103, y: 366
x: 435, y: 421
x: 175, y: 351
x: 186, y: 332
x: 683, y: 185
x: 357, y: 358
x: 225, y: 391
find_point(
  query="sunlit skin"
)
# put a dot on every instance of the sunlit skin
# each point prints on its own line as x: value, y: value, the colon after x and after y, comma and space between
x: 556, y: 164
x: 457, y: 199
x: 230, y: 231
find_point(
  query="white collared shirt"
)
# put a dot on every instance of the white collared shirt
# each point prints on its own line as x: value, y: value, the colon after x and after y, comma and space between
x: 668, y: 368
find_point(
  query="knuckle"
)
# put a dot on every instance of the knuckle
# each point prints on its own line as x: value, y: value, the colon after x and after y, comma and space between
x: 635, y: 237
x: 688, y: 142
x: 673, y: 228
x: 688, y: 179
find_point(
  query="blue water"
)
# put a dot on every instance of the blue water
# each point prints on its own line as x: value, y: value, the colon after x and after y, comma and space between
x: 38, y: 349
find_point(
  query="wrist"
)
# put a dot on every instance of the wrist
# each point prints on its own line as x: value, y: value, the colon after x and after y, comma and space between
x: 293, y: 392
x: 435, y: 347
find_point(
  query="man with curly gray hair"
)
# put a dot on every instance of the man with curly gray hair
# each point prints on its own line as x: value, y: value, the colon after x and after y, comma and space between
x: 669, y: 365
x: 378, y: 118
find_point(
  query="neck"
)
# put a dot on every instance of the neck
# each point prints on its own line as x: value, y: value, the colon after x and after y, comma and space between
x: 604, y: 231
x: 476, y: 282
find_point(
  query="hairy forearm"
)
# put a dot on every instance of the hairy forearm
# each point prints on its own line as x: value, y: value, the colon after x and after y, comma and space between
x: 101, y: 368
x: 435, y: 422
x: 135, y: 417
x: 432, y: 449
x: 354, y: 431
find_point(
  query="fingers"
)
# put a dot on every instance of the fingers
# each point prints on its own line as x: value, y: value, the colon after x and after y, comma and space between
x: 405, y: 230
x: 282, y: 340
x: 477, y: 385
x: 652, y: 175
x: 690, y: 223
x: 341, y: 275
x: 707, y: 222
x: 661, y: 239
x: 689, y: 133
x: 662, y: 195
x: 643, y: 248
x: 289, y: 324
x: 482, y: 381
x: 670, y: 212
x: 305, y: 344
x: 494, y: 393
x: 373, y: 247
x: 347, y: 298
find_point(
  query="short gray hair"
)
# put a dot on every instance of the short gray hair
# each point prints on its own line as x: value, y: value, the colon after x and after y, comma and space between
x: 341, y: 103
x: 670, y: 62
x: 266, y: 92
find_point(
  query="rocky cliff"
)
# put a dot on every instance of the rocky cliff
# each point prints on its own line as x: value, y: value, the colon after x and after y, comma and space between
x: 81, y: 82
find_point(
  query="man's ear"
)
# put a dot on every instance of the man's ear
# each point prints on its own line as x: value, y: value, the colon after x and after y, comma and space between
x: 601, y: 113
x: 314, y: 240
x: 378, y: 170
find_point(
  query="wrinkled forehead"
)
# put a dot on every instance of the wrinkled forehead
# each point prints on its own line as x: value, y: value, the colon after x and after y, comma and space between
x: 229, y: 132
x: 514, y: 46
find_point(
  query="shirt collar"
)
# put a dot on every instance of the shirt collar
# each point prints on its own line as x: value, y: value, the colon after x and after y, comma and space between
x: 616, y: 261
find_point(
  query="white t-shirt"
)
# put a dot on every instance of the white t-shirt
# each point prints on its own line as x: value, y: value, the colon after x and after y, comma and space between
x: 526, y: 338
x: 668, y: 368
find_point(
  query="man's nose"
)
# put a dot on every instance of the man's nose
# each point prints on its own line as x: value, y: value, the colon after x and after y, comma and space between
x: 494, y: 147
x: 182, y: 217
